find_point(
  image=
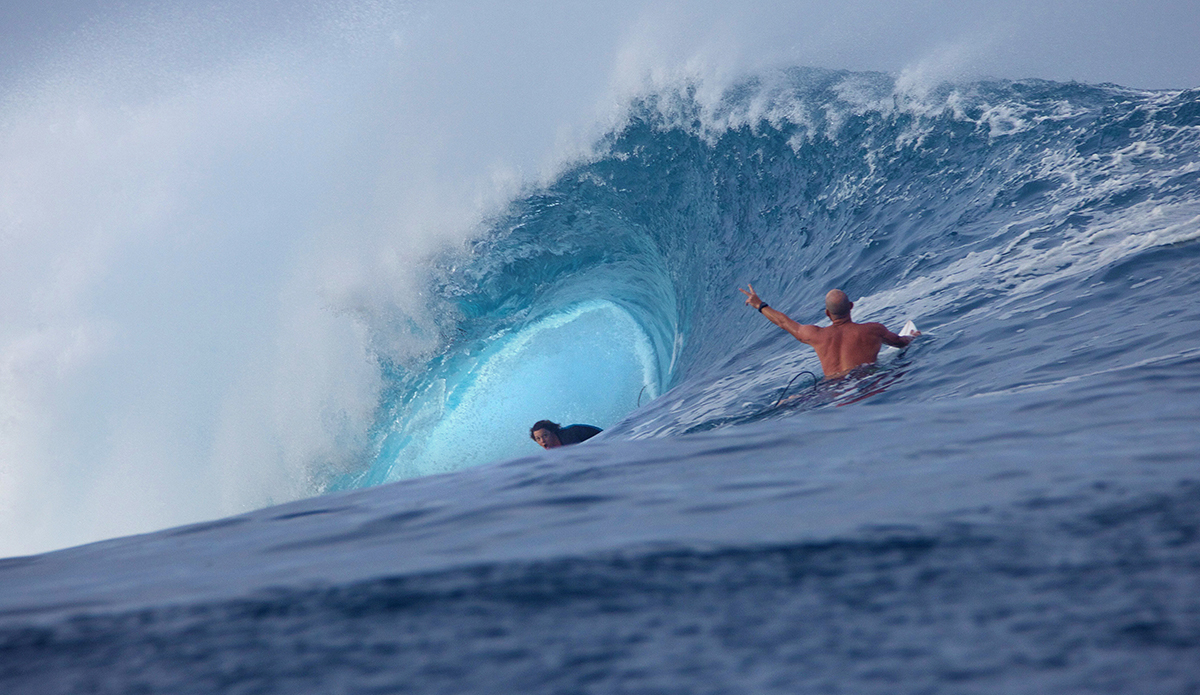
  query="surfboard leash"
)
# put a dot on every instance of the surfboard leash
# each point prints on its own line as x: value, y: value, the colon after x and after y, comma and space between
x: 789, y: 385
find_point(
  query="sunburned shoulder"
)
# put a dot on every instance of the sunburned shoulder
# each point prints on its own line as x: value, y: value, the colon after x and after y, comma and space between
x: 868, y: 327
x: 873, y: 327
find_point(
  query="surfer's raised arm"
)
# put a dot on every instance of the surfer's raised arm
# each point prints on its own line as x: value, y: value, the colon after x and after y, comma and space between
x: 802, y: 332
x: 844, y: 344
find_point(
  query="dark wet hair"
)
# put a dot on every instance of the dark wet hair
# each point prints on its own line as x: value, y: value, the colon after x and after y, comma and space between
x: 544, y: 425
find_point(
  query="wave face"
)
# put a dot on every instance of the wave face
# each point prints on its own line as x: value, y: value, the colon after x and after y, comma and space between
x: 1010, y: 504
x: 983, y: 210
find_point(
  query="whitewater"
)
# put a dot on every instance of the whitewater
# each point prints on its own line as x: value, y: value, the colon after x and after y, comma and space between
x: 1010, y: 504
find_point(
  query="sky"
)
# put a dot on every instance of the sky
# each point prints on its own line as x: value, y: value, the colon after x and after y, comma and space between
x: 1148, y: 44
x: 212, y: 214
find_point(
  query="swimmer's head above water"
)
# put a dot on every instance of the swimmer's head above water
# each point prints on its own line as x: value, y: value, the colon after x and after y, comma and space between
x: 545, y: 433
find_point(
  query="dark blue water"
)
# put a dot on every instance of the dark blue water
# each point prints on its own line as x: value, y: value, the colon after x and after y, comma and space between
x: 1012, y: 504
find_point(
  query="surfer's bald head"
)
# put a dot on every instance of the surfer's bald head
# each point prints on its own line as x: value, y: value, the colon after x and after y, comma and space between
x: 838, y: 304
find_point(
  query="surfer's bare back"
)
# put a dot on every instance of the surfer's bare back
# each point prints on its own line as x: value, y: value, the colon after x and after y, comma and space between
x: 841, y: 346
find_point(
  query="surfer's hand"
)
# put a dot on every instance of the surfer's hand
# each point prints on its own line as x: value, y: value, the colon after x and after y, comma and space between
x: 751, y: 297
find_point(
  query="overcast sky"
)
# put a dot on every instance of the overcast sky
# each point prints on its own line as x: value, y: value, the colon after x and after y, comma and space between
x: 1142, y: 43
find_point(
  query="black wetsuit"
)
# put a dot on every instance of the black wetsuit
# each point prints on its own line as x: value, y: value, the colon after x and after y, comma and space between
x: 577, y: 433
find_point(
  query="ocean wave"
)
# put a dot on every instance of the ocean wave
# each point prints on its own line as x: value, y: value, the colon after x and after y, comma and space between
x: 962, y: 207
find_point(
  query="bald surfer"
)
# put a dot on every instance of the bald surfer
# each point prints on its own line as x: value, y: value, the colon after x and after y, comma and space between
x: 841, y: 346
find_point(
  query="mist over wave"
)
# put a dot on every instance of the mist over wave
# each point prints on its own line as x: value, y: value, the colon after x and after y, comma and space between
x: 213, y: 219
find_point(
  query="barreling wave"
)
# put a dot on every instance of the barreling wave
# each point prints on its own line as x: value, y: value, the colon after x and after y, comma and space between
x: 969, y: 207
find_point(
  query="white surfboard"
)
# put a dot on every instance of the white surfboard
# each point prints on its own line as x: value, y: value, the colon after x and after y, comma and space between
x: 910, y: 328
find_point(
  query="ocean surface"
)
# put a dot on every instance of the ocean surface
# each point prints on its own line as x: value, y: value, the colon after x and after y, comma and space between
x: 1011, y: 504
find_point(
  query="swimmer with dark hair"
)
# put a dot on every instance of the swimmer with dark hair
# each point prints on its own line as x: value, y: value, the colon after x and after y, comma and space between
x: 551, y: 435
